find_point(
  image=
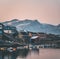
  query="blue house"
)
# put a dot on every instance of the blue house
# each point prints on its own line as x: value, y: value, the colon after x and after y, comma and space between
x: 10, y: 30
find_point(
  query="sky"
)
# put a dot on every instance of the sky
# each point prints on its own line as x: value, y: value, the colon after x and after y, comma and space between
x: 45, y: 11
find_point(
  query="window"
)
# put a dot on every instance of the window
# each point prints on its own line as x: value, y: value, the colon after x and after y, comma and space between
x: 0, y: 32
x: 0, y: 26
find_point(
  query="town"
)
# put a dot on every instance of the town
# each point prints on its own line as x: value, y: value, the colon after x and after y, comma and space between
x: 10, y: 37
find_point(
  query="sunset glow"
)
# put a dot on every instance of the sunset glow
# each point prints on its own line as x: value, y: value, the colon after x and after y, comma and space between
x: 46, y: 11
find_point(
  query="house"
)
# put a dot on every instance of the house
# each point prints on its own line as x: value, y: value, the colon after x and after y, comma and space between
x: 1, y: 30
x: 24, y: 36
x: 11, y: 30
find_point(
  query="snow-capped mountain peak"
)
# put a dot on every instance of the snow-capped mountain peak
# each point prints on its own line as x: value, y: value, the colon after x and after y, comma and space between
x: 34, y: 26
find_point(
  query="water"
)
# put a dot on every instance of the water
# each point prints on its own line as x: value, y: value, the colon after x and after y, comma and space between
x: 42, y: 53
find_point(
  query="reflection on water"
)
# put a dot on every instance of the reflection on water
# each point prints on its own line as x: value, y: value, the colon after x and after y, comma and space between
x: 13, y: 55
x: 31, y: 54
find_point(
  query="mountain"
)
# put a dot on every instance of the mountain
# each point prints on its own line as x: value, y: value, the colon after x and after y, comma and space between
x: 58, y: 26
x: 33, y: 26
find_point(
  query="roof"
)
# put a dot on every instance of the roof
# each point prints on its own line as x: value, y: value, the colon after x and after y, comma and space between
x: 1, y: 24
x: 9, y: 28
x: 34, y: 37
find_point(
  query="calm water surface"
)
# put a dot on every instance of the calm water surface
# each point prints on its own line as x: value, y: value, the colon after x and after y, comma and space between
x: 32, y: 54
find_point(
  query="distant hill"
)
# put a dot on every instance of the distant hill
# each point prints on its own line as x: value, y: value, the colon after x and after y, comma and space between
x: 33, y: 26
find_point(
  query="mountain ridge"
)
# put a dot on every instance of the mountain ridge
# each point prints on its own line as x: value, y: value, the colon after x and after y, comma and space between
x: 33, y: 26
